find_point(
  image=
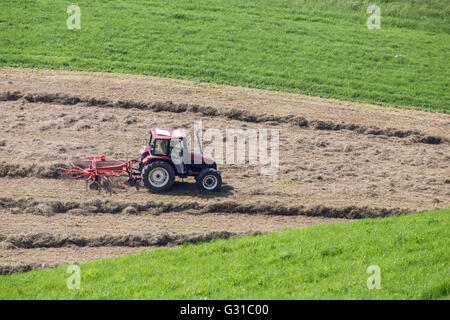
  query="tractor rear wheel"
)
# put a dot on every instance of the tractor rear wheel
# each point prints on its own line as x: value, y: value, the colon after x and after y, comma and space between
x: 209, y: 180
x: 158, y: 176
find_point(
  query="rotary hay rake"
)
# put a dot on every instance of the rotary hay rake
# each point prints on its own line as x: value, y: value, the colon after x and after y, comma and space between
x: 94, y: 169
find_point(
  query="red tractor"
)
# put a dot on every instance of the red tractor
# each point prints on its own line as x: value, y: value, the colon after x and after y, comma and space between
x: 167, y: 155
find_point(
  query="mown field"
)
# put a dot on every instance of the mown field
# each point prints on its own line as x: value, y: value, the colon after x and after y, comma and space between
x: 321, y: 262
x: 351, y: 167
x: 338, y: 160
x: 320, y: 48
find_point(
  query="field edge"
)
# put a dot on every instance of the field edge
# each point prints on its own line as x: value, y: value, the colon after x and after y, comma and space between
x: 325, y: 255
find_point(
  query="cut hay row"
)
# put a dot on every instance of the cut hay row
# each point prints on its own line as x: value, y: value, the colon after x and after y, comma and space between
x: 50, y: 171
x: 49, y: 208
x: 25, y: 267
x: 47, y: 240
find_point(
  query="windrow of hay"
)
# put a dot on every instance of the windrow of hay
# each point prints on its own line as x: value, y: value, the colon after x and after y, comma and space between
x: 229, y: 113
x: 47, y: 240
x: 48, y: 171
x: 10, y: 269
x: 48, y: 208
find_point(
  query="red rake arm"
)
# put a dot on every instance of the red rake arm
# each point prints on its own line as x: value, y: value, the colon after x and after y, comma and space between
x: 96, y: 168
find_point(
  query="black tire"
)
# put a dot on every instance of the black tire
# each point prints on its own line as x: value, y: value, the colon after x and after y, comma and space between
x: 94, y: 185
x: 209, y: 180
x: 158, y: 176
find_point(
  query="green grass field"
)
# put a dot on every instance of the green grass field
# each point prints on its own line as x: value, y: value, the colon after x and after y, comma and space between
x: 321, y: 262
x: 321, y: 48
x: 316, y: 47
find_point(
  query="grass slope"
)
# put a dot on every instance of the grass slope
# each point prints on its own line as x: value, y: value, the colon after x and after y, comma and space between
x: 322, y: 262
x: 316, y: 47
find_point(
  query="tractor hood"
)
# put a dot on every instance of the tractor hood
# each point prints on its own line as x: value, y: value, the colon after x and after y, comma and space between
x: 196, y: 156
x: 144, y: 149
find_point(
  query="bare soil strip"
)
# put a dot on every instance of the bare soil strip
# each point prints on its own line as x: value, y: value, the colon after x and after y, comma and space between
x: 172, y: 224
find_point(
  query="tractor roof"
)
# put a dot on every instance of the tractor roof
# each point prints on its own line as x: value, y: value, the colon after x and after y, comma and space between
x: 167, y: 134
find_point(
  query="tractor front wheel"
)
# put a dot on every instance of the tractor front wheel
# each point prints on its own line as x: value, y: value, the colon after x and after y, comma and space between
x: 209, y: 180
x: 158, y: 176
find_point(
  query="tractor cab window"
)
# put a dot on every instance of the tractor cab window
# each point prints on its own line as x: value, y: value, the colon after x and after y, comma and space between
x: 176, y: 145
x: 179, y: 147
x: 161, y: 147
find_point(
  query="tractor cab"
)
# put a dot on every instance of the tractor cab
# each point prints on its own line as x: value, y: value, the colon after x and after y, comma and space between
x: 164, y: 141
x: 168, y: 155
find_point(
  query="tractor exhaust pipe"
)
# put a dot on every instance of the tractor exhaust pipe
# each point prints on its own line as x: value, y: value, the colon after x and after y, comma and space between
x: 198, y: 141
